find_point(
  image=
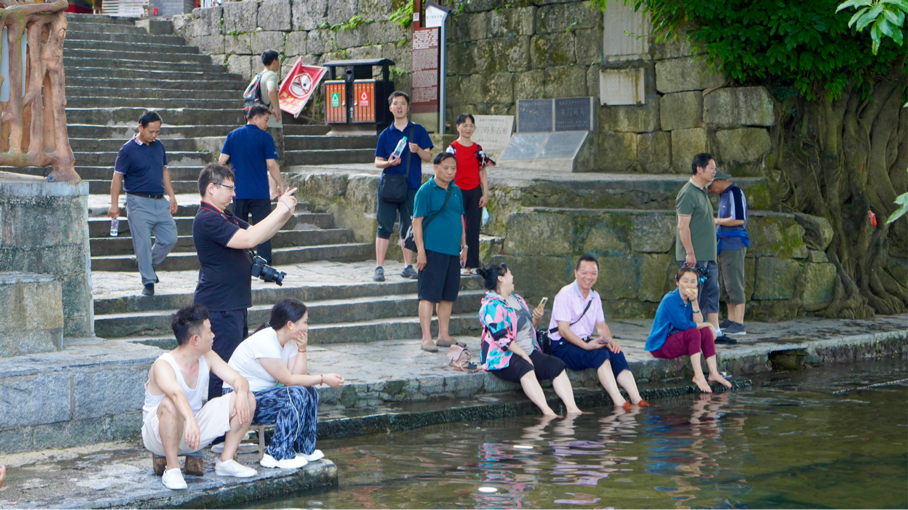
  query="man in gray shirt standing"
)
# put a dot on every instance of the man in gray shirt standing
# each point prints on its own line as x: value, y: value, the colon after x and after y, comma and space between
x: 695, y: 245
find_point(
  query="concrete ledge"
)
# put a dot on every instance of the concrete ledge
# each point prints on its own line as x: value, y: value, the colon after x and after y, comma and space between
x: 119, y: 475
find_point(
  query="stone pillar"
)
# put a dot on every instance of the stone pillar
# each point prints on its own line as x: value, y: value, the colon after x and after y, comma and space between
x: 44, y: 229
x: 33, y: 318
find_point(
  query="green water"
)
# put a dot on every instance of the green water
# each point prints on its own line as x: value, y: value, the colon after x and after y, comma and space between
x: 788, y: 442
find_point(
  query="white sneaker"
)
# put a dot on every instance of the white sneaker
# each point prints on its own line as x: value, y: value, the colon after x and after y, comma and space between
x: 314, y: 456
x: 295, y: 463
x: 173, y: 479
x: 233, y: 468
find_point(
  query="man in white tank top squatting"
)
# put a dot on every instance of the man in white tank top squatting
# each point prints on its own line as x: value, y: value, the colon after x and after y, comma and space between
x: 174, y: 420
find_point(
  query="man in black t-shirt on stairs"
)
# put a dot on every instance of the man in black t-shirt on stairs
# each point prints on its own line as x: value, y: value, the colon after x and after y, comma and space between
x: 222, y: 242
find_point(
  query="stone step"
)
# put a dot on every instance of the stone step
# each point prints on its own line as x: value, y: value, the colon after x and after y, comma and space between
x: 122, y: 245
x: 133, y: 55
x: 618, y: 191
x: 184, y: 88
x: 125, y: 130
x: 399, y: 329
x: 110, y: 145
x: 267, y: 294
x: 151, y: 93
x: 101, y: 19
x: 74, y: 62
x: 153, y: 75
x: 295, y: 143
x: 196, y: 159
x: 330, y: 316
x: 130, y: 47
x: 102, y: 187
x: 105, y: 172
x: 100, y: 227
x: 103, y: 28
x: 348, y: 252
x: 73, y: 35
x: 305, y: 129
x: 154, y: 103
x: 324, y: 157
x: 171, y: 116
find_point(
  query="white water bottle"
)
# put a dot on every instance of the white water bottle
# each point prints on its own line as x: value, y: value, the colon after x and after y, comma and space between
x: 114, y: 227
x: 400, y: 148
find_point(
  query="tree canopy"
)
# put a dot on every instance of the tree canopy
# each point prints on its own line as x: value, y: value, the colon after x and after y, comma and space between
x: 806, y: 44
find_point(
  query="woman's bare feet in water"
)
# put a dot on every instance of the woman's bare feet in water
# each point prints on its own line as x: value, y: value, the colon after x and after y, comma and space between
x: 550, y: 413
x: 702, y: 384
x: 573, y: 412
x: 719, y: 379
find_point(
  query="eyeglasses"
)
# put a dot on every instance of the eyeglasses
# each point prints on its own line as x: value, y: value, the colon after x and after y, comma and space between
x: 231, y: 188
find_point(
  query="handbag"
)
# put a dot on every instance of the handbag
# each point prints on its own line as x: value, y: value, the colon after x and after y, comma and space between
x: 542, y: 335
x: 393, y: 187
x: 461, y: 359
x: 410, y: 239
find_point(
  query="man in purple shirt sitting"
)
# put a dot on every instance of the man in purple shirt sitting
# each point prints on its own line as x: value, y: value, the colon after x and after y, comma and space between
x: 576, y: 313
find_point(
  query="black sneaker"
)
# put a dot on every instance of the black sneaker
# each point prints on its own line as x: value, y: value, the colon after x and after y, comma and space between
x: 724, y: 324
x: 734, y: 329
x: 148, y: 290
x: 410, y: 272
x: 379, y: 275
x: 724, y: 340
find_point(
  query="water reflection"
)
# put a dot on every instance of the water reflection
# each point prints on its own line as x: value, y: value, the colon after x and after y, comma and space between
x: 801, y: 446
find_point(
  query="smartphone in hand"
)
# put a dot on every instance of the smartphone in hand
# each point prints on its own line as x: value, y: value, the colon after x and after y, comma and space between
x: 542, y: 302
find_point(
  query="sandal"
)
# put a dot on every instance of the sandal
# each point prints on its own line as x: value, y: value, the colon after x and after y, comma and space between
x: 466, y: 366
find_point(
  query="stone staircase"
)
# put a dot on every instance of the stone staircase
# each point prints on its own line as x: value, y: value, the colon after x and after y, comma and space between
x: 115, y: 71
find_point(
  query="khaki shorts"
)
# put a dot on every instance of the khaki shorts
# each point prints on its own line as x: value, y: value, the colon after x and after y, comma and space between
x: 213, y: 420
x: 731, y: 270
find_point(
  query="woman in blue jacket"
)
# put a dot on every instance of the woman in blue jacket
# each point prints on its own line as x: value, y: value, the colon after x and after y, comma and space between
x: 679, y: 329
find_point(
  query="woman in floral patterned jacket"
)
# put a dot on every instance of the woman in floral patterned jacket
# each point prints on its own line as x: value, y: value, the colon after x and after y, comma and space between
x: 509, y: 347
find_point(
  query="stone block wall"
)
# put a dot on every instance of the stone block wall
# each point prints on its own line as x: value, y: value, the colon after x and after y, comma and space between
x: 45, y: 230
x: 32, y: 321
x: 660, y: 103
x: 786, y: 272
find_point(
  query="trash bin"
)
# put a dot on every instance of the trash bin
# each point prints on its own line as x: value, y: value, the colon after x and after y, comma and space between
x: 354, y: 98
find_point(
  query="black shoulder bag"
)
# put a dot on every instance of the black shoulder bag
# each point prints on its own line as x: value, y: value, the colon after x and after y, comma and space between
x: 393, y: 187
x: 410, y: 240
x: 542, y: 335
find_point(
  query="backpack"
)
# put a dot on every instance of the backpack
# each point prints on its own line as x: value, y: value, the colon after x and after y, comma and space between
x: 252, y: 95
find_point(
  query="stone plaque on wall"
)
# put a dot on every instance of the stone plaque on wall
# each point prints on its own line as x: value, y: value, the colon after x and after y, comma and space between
x: 493, y: 132
x: 535, y: 115
x: 574, y: 114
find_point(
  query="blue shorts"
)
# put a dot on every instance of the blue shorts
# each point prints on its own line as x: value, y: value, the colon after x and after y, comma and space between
x: 576, y: 358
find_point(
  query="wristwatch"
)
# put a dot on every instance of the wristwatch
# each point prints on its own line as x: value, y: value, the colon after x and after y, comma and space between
x: 464, y: 247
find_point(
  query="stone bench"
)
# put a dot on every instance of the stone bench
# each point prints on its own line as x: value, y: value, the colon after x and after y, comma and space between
x: 32, y: 321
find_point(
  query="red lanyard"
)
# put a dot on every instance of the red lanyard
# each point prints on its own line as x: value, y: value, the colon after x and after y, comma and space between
x: 218, y: 211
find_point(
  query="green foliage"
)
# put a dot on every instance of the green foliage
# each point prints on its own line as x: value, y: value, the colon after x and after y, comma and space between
x: 404, y: 15
x: 885, y: 17
x: 805, y: 44
x: 353, y: 23
x: 233, y: 33
x: 902, y: 202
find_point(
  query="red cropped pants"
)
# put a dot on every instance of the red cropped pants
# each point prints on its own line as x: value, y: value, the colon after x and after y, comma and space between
x: 690, y: 341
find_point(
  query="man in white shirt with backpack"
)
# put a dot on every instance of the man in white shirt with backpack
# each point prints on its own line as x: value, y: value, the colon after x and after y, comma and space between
x: 268, y: 83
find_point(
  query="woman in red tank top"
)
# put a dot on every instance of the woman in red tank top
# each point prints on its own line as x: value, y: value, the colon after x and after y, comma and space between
x: 473, y: 182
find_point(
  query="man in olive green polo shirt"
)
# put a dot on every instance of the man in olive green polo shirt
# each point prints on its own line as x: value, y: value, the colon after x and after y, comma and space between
x: 441, y: 249
x: 696, y: 240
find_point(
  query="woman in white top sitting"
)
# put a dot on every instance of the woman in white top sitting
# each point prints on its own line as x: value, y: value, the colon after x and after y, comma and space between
x: 276, y: 353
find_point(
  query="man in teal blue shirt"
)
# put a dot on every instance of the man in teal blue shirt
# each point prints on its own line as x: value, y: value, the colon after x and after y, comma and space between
x: 441, y: 248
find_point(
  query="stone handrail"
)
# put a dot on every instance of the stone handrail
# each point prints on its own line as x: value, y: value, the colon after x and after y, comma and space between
x: 48, y: 142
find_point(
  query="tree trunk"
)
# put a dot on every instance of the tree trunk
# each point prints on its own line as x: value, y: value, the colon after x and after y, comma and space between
x: 844, y: 159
